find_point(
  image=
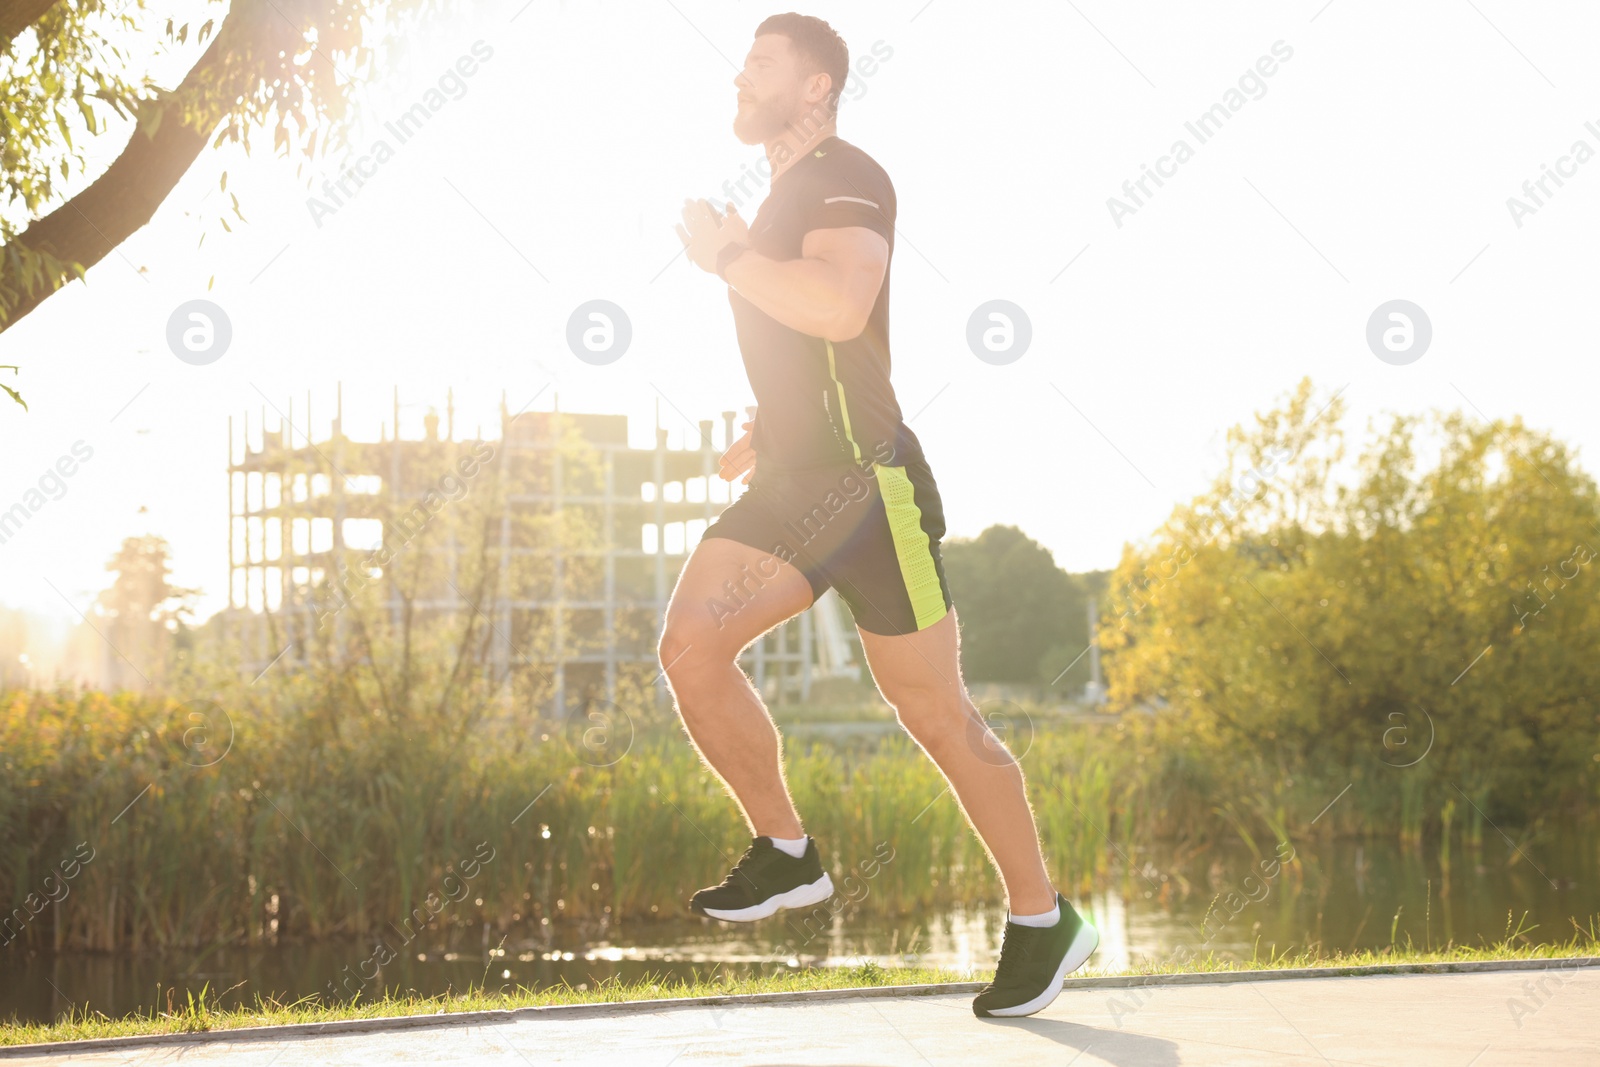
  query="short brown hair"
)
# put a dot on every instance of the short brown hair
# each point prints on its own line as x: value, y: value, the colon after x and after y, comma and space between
x: 818, y: 45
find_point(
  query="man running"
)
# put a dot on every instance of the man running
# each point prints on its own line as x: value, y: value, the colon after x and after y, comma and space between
x: 840, y: 496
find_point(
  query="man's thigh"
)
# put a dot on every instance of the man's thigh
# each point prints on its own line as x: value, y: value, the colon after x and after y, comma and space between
x: 916, y: 667
x: 888, y: 567
x: 729, y: 594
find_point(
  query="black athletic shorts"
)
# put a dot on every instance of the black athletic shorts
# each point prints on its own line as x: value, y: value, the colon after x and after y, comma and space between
x: 871, y: 532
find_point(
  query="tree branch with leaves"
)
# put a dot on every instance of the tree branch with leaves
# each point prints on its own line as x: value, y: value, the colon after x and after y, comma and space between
x: 68, y: 78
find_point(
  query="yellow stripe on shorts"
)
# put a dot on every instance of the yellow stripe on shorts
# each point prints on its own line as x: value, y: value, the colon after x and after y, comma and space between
x: 911, y: 546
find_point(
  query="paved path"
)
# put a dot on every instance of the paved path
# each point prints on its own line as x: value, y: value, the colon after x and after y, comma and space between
x: 1419, y: 1020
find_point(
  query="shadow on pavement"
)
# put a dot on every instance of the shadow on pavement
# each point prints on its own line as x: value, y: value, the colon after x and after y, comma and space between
x: 1121, y: 1047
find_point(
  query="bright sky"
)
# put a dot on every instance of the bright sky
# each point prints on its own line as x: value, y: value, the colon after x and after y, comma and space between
x: 1373, y: 164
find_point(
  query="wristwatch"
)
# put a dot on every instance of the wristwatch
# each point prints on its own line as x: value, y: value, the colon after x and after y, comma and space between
x: 730, y: 252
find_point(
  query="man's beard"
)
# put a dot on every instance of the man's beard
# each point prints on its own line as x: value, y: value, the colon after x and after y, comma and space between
x: 758, y: 122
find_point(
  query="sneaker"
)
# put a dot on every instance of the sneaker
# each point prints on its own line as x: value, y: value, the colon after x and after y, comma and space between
x: 765, y: 879
x: 1033, y: 961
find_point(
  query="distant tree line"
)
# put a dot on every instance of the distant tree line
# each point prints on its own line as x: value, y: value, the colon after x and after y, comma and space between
x: 1024, y: 619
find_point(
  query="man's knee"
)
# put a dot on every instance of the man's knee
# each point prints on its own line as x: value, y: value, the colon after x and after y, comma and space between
x: 688, y: 645
x: 675, y: 643
x: 934, y: 713
x: 925, y: 691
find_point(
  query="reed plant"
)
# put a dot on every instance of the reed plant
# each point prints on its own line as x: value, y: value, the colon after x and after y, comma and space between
x: 309, y: 818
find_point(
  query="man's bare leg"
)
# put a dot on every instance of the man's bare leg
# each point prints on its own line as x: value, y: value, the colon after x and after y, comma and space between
x: 919, y: 675
x: 707, y: 626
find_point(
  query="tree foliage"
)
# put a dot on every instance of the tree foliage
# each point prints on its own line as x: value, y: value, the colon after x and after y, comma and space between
x: 1019, y: 611
x: 1288, y: 619
x: 139, y: 614
x: 72, y: 75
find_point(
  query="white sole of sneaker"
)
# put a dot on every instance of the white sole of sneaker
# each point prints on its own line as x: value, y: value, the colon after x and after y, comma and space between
x: 798, y: 897
x: 1082, y: 947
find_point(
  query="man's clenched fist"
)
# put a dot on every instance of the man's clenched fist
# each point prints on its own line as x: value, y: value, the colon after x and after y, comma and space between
x: 705, y: 233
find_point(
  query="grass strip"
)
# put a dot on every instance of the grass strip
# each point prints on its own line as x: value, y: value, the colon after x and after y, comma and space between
x: 200, y: 1012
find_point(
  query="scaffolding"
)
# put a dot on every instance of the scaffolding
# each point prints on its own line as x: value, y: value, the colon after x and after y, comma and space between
x: 302, y: 514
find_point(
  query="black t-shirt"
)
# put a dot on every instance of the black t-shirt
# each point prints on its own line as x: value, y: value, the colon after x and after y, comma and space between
x: 822, y: 404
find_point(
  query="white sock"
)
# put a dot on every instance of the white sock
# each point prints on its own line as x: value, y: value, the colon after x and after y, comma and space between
x: 794, y: 846
x: 1047, y: 918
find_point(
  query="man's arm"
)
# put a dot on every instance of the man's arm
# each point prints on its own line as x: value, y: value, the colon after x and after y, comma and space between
x: 828, y: 292
x: 740, y: 458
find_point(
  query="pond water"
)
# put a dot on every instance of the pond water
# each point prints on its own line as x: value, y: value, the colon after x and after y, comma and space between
x: 1350, y: 895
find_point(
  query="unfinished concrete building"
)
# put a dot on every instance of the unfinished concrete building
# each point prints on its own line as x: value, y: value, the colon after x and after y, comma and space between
x: 305, y: 516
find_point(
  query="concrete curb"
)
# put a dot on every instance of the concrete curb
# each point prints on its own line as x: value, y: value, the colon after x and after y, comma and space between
x: 471, y: 1018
